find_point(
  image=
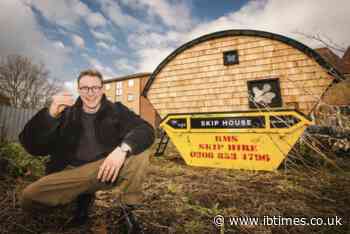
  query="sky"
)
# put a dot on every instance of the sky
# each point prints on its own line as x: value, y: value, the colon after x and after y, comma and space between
x: 121, y: 37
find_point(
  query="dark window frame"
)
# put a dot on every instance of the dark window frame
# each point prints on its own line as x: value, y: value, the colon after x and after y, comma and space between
x: 230, y: 52
x: 275, y: 87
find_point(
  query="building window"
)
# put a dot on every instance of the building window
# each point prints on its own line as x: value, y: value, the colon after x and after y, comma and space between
x: 119, y: 89
x: 131, y: 83
x: 118, y: 92
x: 107, y: 86
x: 231, y: 57
x: 264, y: 93
x: 130, y: 97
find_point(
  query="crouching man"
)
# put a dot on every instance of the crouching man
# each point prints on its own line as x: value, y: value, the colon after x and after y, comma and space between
x: 104, y: 145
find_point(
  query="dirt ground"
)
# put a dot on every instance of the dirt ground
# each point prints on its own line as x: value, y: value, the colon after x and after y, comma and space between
x: 184, y: 199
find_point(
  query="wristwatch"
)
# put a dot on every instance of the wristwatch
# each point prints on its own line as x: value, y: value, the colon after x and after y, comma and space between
x: 125, y: 148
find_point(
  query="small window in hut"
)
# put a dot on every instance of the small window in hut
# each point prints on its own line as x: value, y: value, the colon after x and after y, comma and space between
x: 264, y: 93
x: 231, y: 57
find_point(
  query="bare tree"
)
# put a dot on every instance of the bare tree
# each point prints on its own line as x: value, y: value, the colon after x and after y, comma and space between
x: 325, y: 40
x: 25, y: 83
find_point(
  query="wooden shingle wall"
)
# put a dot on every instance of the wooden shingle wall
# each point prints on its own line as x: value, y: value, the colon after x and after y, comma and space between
x: 197, y: 81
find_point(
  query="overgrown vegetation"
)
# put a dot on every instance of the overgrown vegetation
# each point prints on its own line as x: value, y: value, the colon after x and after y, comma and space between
x: 18, y: 163
x: 184, y: 199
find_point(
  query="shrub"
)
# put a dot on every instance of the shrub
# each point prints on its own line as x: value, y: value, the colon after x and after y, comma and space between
x: 20, y: 163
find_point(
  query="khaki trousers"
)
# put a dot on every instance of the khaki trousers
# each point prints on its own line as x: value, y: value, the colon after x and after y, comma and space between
x: 63, y: 187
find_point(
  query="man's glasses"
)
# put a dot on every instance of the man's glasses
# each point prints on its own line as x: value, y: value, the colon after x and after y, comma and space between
x: 86, y: 89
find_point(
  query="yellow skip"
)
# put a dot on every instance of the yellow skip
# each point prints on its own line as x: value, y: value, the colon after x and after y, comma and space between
x: 252, y: 140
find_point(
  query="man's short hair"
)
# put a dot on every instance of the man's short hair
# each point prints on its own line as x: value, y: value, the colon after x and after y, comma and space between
x: 90, y: 72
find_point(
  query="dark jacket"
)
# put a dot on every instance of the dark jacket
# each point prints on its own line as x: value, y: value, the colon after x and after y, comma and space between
x: 59, y: 138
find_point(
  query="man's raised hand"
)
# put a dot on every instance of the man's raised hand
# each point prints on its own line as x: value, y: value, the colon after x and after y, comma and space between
x: 60, y: 101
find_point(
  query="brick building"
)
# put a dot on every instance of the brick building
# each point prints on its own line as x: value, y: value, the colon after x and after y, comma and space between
x: 127, y: 89
x: 342, y: 64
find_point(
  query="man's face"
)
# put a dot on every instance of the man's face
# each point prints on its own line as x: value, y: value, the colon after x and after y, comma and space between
x: 90, y: 90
